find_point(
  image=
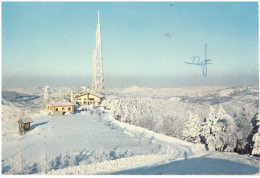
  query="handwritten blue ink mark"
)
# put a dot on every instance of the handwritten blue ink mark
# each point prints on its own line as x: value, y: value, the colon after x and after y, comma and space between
x: 195, y: 60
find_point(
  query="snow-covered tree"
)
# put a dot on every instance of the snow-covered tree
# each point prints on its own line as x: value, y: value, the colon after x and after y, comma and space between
x: 211, y: 139
x: 19, y: 164
x: 72, y: 160
x: 167, y: 127
x: 244, y: 128
x: 229, y: 130
x: 65, y: 161
x: 256, y: 139
x: 220, y: 130
x: 192, y: 128
x: 43, y: 164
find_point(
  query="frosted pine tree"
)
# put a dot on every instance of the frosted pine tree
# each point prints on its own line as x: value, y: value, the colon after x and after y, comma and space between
x: 229, y: 130
x: 209, y: 122
x: 132, y: 114
x: 168, y: 128
x: 43, y: 165
x: 213, y: 130
x: 244, y: 128
x: 192, y: 128
x: 19, y: 165
x: 256, y: 139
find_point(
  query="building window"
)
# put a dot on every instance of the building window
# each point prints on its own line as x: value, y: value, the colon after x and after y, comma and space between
x: 84, y: 98
x: 91, y: 98
x: 62, y: 109
x: 26, y: 126
x: 56, y: 109
x: 69, y: 108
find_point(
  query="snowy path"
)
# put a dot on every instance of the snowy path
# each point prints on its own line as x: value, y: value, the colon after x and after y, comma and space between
x: 169, y: 149
x: 112, y: 165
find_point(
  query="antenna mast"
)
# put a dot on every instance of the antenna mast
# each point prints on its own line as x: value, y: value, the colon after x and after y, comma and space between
x: 98, y: 78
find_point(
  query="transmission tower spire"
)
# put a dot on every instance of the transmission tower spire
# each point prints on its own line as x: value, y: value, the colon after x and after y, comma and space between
x: 98, y: 79
x: 98, y: 17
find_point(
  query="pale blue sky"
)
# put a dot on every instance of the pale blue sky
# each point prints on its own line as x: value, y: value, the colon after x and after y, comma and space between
x: 57, y: 39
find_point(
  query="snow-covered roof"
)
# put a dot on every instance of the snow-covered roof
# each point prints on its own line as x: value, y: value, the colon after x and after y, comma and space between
x: 25, y: 120
x: 61, y: 102
x: 81, y: 94
x: 92, y: 93
x: 96, y: 94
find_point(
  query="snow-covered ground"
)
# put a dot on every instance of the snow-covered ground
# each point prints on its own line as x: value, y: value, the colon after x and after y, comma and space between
x: 94, y: 142
x: 72, y: 139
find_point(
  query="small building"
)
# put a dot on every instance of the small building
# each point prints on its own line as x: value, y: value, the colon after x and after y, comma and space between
x: 89, y: 98
x: 24, y: 125
x: 59, y: 107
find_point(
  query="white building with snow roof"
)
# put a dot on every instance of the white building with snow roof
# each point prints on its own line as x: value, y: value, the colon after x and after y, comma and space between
x: 59, y: 107
x: 89, y: 98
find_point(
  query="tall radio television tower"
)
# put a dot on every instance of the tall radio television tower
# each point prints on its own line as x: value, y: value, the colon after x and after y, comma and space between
x: 98, y: 78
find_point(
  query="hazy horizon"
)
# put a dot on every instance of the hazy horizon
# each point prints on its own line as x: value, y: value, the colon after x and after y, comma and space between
x: 122, y: 82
